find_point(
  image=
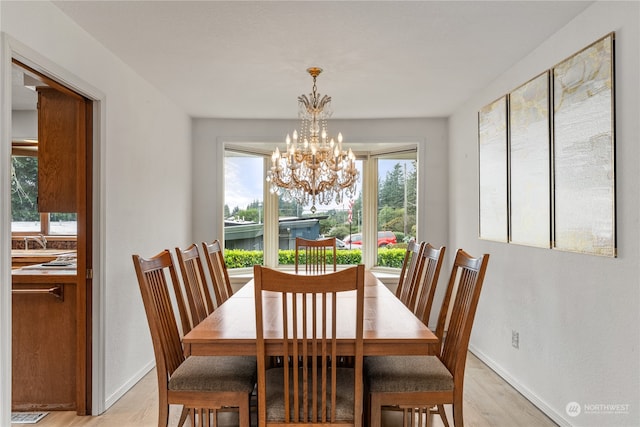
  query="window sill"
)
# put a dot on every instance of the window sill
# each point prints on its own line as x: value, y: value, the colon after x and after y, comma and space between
x: 389, y: 276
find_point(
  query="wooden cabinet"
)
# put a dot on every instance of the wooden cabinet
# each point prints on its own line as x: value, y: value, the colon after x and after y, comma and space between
x: 44, y: 343
x: 61, y: 128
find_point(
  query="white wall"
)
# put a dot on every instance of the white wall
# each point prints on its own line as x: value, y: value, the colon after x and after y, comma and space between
x: 24, y: 124
x: 143, y: 178
x: 209, y: 136
x: 577, y: 315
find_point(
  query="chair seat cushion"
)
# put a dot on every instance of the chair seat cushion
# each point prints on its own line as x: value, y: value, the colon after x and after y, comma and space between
x: 215, y: 373
x: 345, y: 382
x: 406, y: 374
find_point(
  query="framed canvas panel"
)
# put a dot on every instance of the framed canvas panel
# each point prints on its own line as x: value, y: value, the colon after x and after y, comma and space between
x: 584, y: 151
x: 492, y: 142
x: 529, y: 165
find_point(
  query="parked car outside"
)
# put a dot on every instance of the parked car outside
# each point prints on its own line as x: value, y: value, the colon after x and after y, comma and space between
x: 385, y: 238
x: 353, y: 241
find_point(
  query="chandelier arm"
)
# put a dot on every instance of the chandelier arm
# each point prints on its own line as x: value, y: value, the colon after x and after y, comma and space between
x: 300, y: 183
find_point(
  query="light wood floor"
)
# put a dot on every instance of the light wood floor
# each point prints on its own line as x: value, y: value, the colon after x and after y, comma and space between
x: 488, y: 402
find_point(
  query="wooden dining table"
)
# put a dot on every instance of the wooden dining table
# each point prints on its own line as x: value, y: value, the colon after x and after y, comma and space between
x: 390, y: 328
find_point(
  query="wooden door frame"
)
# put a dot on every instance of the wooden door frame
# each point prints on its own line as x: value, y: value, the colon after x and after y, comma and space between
x: 80, y: 199
x: 82, y: 202
x: 94, y: 356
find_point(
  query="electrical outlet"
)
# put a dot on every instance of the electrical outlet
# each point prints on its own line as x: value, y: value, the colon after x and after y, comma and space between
x: 515, y: 339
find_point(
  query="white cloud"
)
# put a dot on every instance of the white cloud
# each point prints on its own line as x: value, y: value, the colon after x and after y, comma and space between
x: 244, y: 180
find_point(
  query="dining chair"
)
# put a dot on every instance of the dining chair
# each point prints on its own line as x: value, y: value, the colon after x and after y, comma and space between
x: 430, y: 266
x: 310, y: 388
x: 409, y: 273
x: 315, y: 254
x: 418, y: 383
x: 195, y: 284
x: 214, y: 254
x: 202, y: 384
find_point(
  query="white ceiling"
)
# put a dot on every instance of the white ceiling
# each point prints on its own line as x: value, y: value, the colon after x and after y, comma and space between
x: 241, y: 59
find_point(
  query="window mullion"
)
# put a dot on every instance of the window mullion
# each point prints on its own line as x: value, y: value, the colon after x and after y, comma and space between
x: 271, y: 223
x: 44, y: 224
x: 369, y: 212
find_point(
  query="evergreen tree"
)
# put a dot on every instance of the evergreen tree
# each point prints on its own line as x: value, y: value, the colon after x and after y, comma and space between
x: 412, y: 180
x: 391, y: 191
x: 397, y: 199
x: 24, y: 188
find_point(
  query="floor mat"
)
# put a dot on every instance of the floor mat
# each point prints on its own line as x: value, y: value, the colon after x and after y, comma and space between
x: 27, y: 417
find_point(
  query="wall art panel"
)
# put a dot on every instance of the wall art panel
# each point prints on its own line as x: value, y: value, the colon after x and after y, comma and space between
x: 529, y: 150
x: 492, y: 139
x: 584, y: 154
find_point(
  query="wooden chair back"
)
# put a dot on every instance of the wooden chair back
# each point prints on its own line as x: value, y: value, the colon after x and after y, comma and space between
x: 228, y: 381
x: 315, y: 255
x: 167, y: 347
x: 195, y: 284
x: 409, y: 273
x: 218, y: 271
x: 467, y: 276
x: 430, y: 265
x: 310, y: 380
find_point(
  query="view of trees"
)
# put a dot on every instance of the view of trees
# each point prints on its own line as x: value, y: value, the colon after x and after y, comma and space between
x: 251, y: 213
x: 24, y: 188
x: 397, y: 200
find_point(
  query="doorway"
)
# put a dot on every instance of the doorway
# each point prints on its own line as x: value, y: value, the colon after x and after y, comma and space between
x: 56, y: 293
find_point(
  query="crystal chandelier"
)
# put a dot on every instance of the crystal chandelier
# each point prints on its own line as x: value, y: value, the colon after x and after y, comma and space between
x: 313, y: 167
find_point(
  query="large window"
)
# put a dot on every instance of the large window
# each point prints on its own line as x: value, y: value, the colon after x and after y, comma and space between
x: 378, y: 221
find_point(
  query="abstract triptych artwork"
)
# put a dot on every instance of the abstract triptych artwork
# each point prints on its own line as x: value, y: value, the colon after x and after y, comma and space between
x: 547, y: 158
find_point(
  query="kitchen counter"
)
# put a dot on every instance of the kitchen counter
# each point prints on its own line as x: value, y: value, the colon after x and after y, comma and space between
x: 44, y: 275
x: 21, y: 257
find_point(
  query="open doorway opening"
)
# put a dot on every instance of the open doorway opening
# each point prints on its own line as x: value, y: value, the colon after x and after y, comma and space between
x: 51, y: 229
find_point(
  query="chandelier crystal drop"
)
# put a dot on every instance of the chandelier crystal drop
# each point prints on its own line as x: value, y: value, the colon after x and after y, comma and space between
x: 313, y: 167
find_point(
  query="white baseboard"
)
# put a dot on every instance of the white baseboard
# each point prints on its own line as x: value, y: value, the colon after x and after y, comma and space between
x: 528, y: 394
x: 129, y: 384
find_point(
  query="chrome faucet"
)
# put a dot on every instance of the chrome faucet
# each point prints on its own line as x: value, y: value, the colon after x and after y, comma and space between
x: 40, y: 239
